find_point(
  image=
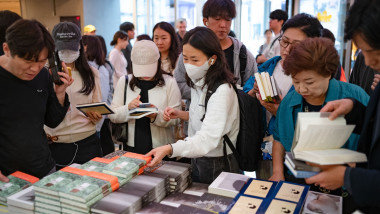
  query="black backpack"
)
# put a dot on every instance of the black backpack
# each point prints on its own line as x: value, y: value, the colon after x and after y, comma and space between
x: 251, y: 131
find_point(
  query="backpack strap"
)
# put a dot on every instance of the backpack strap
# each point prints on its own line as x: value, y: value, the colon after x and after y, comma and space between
x: 124, y: 145
x: 210, y: 91
x: 243, y: 61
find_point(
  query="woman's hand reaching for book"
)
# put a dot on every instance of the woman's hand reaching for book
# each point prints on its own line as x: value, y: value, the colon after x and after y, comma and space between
x: 338, y: 107
x: 171, y: 113
x: 3, y: 178
x: 159, y: 153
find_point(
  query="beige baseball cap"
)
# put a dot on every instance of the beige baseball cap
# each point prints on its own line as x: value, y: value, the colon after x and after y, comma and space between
x: 144, y: 57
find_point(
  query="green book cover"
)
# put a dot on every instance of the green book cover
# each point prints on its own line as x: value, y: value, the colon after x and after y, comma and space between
x: 14, y: 185
x: 93, y: 166
x: 141, y: 163
x: 81, y: 190
x: 122, y: 167
x: 53, y: 183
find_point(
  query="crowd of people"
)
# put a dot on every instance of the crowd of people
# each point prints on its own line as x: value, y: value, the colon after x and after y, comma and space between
x: 41, y: 130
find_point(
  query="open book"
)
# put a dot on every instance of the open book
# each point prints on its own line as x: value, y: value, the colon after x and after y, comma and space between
x: 268, y: 88
x: 140, y: 112
x: 102, y: 108
x: 319, y: 140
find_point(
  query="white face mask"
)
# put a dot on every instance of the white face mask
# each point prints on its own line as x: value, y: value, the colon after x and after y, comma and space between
x: 196, y: 72
x: 68, y: 56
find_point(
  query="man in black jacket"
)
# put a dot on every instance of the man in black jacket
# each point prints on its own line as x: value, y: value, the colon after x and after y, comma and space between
x: 28, y: 100
x: 362, y: 181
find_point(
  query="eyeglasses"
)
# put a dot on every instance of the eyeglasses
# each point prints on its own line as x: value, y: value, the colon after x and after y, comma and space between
x: 285, y: 43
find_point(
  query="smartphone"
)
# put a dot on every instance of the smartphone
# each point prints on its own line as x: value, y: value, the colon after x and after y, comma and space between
x: 55, y: 66
x: 144, y: 105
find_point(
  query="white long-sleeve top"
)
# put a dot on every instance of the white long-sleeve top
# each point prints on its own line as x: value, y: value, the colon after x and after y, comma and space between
x: 119, y: 63
x: 164, y: 96
x: 222, y: 117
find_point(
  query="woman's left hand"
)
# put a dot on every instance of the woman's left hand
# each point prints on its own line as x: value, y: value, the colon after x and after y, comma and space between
x: 94, y: 116
x: 159, y: 153
x: 271, y: 107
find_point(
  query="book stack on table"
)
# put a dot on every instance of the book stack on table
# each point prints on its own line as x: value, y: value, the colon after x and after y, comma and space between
x: 134, y: 195
x: 72, y: 190
x: 17, y: 182
x: 179, y: 173
x: 22, y: 202
x: 228, y: 184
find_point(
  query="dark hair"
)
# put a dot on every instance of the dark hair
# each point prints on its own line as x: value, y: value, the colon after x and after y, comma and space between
x: 317, y: 54
x: 223, y: 8
x: 27, y: 38
x: 126, y: 26
x: 85, y: 71
x: 7, y: 18
x: 159, y: 77
x: 205, y: 40
x: 232, y: 34
x: 364, y: 19
x: 174, y: 49
x: 279, y: 15
x: 305, y: 22
x: 119, y: 35
x: 104, y: 48
x: 143, y: 37
x: 94, y: 51
x: 326, y: 33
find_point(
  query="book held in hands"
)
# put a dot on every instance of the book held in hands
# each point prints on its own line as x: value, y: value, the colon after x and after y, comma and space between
x: 318, y: 139
x: 102, y: 108
x: 140, y: 112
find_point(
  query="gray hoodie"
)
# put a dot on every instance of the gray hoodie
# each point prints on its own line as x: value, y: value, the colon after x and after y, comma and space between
x: 250, y: 69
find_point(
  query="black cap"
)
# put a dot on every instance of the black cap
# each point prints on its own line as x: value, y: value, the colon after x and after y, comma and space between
x: 66, y: 36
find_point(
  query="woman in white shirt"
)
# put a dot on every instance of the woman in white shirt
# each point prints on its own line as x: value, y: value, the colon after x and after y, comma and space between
x: 116, y: 57
x: 205, y: 67
x: 147, y: 84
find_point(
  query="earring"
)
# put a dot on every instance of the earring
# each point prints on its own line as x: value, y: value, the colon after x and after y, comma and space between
x: 212, y: 61
x: 206, y: 23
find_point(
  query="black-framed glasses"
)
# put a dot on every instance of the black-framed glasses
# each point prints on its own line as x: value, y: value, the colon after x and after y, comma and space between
x: 285, y: 43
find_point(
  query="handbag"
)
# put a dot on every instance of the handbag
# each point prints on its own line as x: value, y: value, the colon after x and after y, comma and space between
x: 119, y: 131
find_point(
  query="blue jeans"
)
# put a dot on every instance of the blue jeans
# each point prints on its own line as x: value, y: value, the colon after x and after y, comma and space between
x: 206, y: 169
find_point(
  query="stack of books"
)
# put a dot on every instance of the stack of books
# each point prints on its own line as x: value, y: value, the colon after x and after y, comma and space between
x: 228, y: 184
x: 179, y: 173
x: 22, y: 202
x: 268, y: 88
x: 17, y: 182
x: 299, y: 168
x: 134, y: 195
x: 72, y: 190
x: 260, y: 196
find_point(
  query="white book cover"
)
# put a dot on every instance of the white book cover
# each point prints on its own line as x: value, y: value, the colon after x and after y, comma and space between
x: 23, y: 199
x: 138, y: 113
x: 228, y: 184
x: 266, y: 87
x: 318, y: 139
x: 261, y: 87
x: 269, y: 83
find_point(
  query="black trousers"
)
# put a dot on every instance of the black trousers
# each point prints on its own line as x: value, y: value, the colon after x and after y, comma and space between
x: 106, y: 142
x: 79, y: 152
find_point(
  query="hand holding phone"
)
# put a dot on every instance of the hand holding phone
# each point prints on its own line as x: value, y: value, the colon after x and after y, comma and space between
x: 55, y: 67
